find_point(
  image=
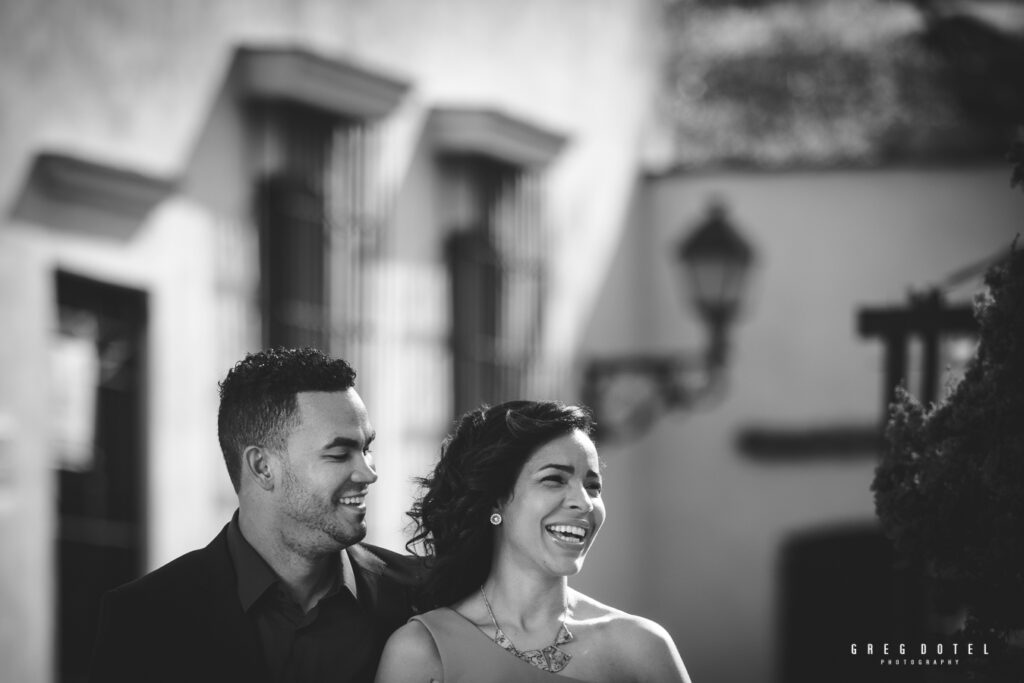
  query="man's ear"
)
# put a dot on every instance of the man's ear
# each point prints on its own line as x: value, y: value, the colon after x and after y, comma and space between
x: 257, y: 465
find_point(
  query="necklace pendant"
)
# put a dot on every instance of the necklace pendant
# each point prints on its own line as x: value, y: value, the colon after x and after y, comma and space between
x: 554, y: 659
x: 550, y: 658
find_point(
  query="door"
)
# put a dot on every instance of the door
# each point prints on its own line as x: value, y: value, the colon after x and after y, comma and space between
x: 844, y: 586
x: 98, y: 413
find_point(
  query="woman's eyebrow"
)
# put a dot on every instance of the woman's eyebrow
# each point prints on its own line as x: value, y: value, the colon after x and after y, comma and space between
x: 568, y: 469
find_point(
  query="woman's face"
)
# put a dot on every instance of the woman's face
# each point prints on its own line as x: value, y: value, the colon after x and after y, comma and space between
x: 556, y: 509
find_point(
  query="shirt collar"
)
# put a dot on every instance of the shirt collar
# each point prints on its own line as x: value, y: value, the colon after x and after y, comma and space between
x: 254, y: 576
x: 348, y: 575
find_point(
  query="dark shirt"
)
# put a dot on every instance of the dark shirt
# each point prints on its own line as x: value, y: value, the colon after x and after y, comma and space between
x: 328, y: 643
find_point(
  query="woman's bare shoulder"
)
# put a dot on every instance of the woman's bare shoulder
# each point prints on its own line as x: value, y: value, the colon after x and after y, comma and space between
x: 616, y: 623
x: 643, y: 645
x: 586, y: 608
x: 410, y: 656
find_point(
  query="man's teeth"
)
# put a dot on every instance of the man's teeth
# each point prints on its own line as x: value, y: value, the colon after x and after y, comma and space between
x: 352, y: 500
x: 568, y: 532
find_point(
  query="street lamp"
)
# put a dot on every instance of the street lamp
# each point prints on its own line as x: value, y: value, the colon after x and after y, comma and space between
x: 628, y: 393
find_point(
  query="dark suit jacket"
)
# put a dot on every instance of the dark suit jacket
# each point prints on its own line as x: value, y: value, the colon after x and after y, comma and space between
x: 184, y: 623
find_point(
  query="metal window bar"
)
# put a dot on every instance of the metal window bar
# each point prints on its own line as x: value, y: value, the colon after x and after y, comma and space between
x: 292, y: 215
x: 496, y: 266
x: 521, y: 242
x: 359, y: 202
x: 293, y: 223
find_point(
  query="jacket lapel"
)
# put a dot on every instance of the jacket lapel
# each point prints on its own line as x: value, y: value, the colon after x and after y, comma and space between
x: 234, y: 639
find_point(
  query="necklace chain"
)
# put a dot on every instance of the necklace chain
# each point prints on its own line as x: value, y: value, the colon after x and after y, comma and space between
x: 549, y: 658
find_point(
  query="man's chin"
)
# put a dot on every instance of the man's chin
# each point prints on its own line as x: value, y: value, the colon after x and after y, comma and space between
x: 350, y: 536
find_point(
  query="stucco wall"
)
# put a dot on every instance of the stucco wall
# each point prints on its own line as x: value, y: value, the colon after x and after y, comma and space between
x: 140, y: 85
x: 703, y: 523
x: 134, y: 82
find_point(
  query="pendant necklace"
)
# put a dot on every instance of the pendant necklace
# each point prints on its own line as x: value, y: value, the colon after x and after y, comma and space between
x: 550, y: 658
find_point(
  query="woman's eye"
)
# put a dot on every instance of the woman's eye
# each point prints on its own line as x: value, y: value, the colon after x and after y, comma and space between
x: 553, y: 480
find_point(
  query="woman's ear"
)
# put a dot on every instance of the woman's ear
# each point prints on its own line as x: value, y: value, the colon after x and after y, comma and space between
x: 497, y: 513
x: 501, y: 505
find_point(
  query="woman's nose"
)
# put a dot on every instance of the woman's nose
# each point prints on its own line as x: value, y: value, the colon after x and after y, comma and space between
x: 579, y: 499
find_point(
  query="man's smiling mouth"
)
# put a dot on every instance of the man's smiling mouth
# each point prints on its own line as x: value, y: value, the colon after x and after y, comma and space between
x: 352, y: 500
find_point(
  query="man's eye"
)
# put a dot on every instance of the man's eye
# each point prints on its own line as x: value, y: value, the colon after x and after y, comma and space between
x: 595, y: 487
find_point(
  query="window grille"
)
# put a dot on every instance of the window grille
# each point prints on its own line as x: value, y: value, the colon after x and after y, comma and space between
x: 293, y: 241
x: 316, y: 232
x: 292, y: 225
x: 356, y: 208
x: 495, y: 260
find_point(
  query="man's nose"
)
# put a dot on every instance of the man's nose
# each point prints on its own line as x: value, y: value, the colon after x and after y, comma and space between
x: 364, y: 472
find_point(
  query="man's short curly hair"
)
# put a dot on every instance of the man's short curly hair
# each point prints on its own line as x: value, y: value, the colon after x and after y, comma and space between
x: 258, y: 402
x: 478, y: 468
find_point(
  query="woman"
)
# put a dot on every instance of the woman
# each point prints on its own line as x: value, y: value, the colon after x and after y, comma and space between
x: 508, y: 513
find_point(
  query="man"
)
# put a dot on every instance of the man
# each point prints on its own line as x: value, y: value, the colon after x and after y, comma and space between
x: 286, y: 591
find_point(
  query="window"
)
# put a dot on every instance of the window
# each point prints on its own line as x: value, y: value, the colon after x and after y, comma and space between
x: 495, y: 247
x: 97, y: 373
x: 311, y: 116
x: 293, y: 228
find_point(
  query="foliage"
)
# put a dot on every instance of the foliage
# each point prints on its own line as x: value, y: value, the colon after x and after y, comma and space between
x: 776, y: 83
x: 950, y: 488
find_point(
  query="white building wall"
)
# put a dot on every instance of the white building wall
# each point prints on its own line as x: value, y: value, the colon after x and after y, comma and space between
x: 699, y: 547
x: 27, y: 517
x: 169, y: 258
x: 141, y: 86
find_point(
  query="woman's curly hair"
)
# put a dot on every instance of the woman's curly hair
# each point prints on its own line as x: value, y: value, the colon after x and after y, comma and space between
x: 478, y: 468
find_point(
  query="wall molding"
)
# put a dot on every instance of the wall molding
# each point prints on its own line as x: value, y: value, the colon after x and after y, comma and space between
x: 341, y: 87
x: 494, y: 134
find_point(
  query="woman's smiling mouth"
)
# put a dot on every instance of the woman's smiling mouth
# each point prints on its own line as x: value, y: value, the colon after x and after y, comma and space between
x: 573, y: 534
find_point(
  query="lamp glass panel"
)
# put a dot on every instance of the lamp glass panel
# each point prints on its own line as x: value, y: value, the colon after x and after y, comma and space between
x: 717, y: 283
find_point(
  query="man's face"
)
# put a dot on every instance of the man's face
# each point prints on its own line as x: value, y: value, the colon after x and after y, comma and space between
x: 326, y: 469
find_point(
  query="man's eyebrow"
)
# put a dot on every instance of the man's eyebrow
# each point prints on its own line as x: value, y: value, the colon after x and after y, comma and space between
x: 349, y: 442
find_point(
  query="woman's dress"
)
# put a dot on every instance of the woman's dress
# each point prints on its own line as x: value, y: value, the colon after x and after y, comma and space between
x: 469, y: 656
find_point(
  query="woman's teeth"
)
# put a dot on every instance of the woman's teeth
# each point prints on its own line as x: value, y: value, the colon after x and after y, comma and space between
x: 570, y: 533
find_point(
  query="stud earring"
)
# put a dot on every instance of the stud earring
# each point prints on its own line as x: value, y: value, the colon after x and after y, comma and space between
x: 496, y: 519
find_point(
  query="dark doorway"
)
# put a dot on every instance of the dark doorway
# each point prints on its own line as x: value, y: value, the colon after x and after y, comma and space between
x: 98, y: 413
x: 843, y: 586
